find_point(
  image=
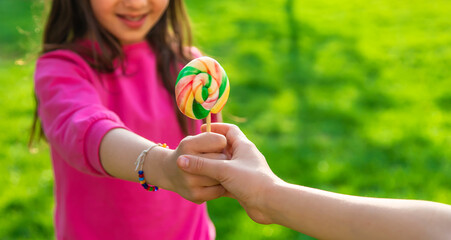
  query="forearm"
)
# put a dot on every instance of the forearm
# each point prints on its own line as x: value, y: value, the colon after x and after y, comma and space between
x: 327, y: 215
x: 314, y: 212
x: 119, y: 150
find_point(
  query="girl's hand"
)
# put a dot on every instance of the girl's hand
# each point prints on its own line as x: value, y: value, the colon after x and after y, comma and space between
x: 247, y: 176
x: 195, y: 188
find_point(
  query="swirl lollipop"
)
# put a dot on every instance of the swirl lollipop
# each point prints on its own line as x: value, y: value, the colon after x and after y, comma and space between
x: 202, y: 88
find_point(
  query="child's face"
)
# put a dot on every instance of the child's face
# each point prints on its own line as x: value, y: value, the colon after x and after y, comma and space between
x: 128, y: 20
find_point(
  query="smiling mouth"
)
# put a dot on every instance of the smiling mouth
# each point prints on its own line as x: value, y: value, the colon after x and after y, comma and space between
x: 132, y: 18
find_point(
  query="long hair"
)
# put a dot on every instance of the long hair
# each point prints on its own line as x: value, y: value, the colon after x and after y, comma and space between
x: 72, y: 20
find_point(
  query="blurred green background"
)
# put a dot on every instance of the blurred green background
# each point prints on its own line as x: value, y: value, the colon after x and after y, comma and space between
x: 348, y: 96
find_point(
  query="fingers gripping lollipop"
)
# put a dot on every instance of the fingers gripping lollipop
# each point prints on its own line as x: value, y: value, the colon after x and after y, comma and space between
x: 202, y: 88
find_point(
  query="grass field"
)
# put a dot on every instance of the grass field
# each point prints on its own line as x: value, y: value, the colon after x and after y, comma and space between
x: 347, y: 96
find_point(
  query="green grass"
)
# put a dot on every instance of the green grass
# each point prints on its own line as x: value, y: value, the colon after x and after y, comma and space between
x: 26, y: 192
x: 348, y: 96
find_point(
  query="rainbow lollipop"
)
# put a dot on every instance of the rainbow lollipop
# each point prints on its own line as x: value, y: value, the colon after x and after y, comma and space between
x: 202, y: 88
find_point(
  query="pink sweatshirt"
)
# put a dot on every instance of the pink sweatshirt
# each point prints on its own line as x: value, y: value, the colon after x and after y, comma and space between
x: 78, y: 107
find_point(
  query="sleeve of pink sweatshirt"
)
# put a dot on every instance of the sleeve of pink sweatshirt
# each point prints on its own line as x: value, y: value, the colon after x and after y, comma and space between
x: 72, y: 114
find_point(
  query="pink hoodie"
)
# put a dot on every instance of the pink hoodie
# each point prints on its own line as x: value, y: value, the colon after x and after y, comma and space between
x: 78, y: 106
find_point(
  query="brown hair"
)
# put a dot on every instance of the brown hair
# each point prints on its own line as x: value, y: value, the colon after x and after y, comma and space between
x: 71, y: 20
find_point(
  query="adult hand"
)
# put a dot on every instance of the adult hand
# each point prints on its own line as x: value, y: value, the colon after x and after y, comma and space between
x: 195, y: 188
x: 247, y: 176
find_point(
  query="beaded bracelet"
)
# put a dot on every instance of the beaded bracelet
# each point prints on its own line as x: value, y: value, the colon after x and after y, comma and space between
x: 139, y: 167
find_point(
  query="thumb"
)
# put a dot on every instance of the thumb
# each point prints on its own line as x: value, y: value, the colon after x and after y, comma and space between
x: 200, y: 166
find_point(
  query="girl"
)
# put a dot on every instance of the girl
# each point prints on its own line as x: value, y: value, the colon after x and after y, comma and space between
x: 104, y: 87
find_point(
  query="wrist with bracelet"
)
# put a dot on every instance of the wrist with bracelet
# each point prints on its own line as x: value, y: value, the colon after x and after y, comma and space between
x: 140, y: 164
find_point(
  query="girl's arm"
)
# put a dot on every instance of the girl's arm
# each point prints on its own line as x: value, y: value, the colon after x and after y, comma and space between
x: 321, y: 214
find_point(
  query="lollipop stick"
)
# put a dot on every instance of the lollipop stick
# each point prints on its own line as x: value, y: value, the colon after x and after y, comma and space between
x: 209, y: 122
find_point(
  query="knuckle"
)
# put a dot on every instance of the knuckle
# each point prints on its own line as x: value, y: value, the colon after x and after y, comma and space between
x: 249, y: 143
x: 184, y: 143
x: 185, y: 140
x: 188, y: 138
x: 199, y: 164
x: 234, y: 127
x: 246, y: 144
